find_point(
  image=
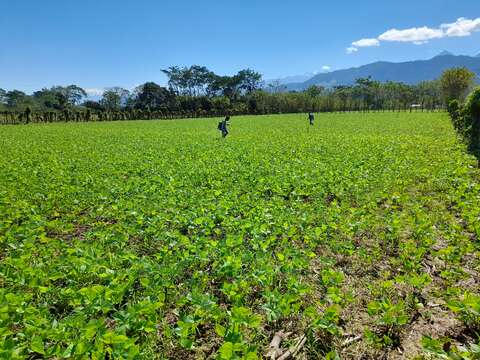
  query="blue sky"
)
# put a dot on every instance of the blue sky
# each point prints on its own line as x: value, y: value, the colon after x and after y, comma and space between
x: 104, y: 43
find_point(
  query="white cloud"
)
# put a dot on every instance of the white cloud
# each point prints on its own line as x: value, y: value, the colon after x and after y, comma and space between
x: 94, y: 92
x: 366, y: 43
x: 326, y: 68
x: 362, y: 43
x: 420, y: 35
x: 414, y: 35
x: 461, y: 27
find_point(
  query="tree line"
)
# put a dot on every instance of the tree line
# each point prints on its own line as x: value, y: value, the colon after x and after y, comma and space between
x: 196, y: 91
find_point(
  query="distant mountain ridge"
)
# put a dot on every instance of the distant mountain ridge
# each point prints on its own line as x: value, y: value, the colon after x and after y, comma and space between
x: 291, y: 79
x: 410, y: 72
x: 445, y: 53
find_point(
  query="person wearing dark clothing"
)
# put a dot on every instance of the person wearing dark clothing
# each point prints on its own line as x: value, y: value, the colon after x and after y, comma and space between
x: 311, y: 118
x: 223, y: 126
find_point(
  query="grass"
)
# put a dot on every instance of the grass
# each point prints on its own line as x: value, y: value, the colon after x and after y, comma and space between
x: 158, y: 239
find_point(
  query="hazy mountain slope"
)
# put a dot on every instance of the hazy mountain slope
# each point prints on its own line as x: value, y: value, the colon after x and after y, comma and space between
x: 411, y: 72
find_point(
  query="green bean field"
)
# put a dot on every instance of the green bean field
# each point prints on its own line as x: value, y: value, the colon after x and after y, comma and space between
x: 357, y: 237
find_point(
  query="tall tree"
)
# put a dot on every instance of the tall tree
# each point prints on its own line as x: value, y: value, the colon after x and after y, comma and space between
x: 114, y: 98
x: 93, y: 105
x: 49, y: 99
x: 367, y: 91
x: 456, y: 83
x: 151, y: 95
x: 75, y: 94
x: 200, y: 78
x: 14, y: 98
x: 3, y: 99
x: 344, y: 94
x: 230, y: 86
x: 60, y: 97
x: 249, y: 80
x: 314, y: 91
x: 192, y: 81
x: 175, y: 79
x: 428, y: 93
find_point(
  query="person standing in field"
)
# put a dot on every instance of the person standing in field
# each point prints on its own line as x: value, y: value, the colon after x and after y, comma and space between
x: 223, y: 126
x: 311, y: 118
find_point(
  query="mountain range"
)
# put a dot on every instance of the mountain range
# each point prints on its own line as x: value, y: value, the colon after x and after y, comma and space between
x: 411, y: 72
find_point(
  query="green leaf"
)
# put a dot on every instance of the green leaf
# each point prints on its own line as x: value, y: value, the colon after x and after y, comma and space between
x: 332, y: 355
x: 220, y: 330
x: 226, y: 351
x: 36, y: 345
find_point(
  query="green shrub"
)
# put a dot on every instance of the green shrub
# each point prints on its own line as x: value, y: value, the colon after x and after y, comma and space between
x: 454, y: 109
x: 466, y: 119
x: 472, y: 111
